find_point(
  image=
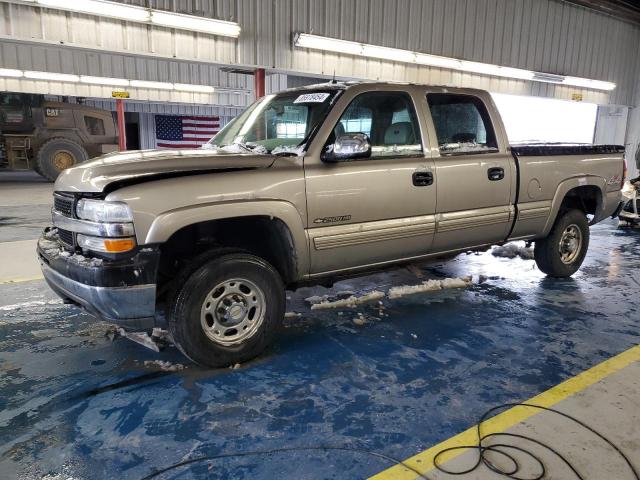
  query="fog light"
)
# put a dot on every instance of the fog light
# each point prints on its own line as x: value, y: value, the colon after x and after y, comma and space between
x: 106, y: 245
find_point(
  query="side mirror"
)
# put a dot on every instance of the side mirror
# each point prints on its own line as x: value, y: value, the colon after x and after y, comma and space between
x: 349, y: 146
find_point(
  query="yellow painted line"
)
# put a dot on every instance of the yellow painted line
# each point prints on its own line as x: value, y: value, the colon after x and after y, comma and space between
x: 423, y: 461
x: 21, y: 280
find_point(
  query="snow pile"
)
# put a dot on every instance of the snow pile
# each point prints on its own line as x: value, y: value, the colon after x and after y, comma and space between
x: 164, y: 366
x: 53, y: 249
x: 81, y: 259
x: 429, y: 286
x: 288, y: 149
x: 51, y: 234
x: 292, y: 315
x: 316, y: 299
x: 513, y: 250
x: 360, y: 320
x: 349, y: 302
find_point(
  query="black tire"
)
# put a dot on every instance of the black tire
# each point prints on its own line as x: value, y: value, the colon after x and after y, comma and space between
x: 548, y: 252
x: 186, y: 308
x: 57, y: 154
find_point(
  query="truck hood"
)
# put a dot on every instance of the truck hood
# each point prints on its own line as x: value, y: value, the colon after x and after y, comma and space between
x: 143, y: 165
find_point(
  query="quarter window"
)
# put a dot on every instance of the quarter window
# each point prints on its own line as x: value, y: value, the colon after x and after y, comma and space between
x: 387, y: 118
x: 462, y: 124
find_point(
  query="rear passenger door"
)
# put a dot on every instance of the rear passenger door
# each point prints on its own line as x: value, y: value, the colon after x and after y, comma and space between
x: 476, y: 176
x: 373, y: 210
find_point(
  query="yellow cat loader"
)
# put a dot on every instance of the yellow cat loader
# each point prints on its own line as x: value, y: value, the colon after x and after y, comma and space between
x: 48, y: 136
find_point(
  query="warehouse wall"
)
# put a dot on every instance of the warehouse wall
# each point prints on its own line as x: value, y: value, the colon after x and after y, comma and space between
x: 147, y: 112
x: 235, y: 89
x: 544, y: 35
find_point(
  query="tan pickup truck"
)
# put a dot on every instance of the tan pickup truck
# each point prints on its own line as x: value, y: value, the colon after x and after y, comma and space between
x: 307, y: 186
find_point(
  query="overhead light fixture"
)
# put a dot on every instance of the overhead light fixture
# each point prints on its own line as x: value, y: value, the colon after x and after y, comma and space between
x: 54, y: 77
x: 185, y: 87
x: 107, y: 81
x: 101, y: 8
x: 317, y: 42
x: 10, y: 72
x: 133, y: 13
x: 588, y: 83
x: 437, y: 61
x: 149, y: 84
x: 198, y: 24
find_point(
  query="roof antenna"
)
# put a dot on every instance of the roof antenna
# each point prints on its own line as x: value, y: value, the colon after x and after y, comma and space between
x: 333, y: 80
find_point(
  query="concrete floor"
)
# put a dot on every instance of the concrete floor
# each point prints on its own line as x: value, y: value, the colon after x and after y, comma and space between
x: 75, y: 404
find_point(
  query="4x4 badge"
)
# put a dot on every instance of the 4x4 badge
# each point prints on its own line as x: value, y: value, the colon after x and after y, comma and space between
x: 339, y: 218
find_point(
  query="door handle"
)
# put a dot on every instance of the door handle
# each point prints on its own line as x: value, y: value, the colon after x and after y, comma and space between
x: 495, y: 174
x: 422, y: 179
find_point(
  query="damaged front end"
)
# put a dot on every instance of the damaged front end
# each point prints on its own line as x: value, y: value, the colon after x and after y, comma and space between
x: 115, y: 286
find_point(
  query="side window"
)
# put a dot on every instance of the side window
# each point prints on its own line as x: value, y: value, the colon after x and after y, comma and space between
x: 462, y: 124
x: 387, y: 118
x: 95, y: 126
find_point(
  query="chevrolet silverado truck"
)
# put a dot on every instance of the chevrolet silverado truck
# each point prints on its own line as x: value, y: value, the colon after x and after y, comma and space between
x: 307, y: 186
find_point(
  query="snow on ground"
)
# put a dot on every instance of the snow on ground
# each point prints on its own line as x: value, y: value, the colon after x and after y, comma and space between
x: 349, y: 302
x: 325, y: 302
x: 513, y: 250
x: 429, y: 286
x: 163, y: 365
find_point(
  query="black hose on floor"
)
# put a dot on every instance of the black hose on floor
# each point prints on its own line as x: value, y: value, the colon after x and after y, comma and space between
x: 499, y: 448
x: 482, y: 450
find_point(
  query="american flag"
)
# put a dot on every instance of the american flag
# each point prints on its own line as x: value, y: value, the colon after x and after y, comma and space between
x: 173, y: 131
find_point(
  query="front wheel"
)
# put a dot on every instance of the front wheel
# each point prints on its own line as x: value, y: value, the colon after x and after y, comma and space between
x: 228, y: 310
x: 564, y: 249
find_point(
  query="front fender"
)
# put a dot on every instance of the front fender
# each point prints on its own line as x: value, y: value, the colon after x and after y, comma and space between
x: 166, y: 224
x: 569, y: 184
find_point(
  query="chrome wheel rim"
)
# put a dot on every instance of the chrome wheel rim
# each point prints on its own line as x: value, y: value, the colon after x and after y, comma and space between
x: 570, y: 244
x: 232, y: 311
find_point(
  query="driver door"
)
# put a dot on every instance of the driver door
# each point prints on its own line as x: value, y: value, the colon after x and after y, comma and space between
x: 370, y: 211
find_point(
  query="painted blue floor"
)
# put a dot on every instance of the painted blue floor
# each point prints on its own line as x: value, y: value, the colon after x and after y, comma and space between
x: 74, y: 404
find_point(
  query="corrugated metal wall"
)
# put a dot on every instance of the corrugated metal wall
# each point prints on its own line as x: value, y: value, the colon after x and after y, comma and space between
x: 236, y: 89
x: 544, y: 35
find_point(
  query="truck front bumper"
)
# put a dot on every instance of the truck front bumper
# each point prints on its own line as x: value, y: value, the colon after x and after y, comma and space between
x: 121, y: 292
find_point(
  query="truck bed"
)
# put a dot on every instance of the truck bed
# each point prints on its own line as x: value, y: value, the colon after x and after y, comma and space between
x: 549, y: 171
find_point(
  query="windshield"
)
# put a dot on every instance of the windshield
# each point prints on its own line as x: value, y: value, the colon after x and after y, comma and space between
x: 276, y: 123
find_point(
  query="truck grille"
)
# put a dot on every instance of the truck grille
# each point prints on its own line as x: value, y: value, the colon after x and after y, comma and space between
x: 66, y: 237
x: 63, y: 204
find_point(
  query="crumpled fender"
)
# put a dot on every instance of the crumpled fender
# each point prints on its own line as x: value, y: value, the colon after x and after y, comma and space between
x: 166, y: 224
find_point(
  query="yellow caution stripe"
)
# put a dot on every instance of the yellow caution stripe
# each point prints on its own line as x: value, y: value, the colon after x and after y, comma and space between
x: 20, y: 280
x: 423, y: 461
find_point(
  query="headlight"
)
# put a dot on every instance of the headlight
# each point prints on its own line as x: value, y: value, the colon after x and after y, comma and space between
x: 103, y: 211
x: 106, y: 245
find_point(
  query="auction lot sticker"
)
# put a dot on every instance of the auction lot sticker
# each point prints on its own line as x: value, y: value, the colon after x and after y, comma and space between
x: 311, y: 98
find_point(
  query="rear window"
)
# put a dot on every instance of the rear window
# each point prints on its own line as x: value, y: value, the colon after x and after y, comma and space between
x: 462, y: 124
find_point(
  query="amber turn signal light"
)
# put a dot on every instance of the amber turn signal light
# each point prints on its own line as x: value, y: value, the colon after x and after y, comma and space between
x: 118, y: 245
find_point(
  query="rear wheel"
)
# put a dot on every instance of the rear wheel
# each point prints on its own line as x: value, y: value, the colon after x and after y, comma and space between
x: 228, y: 310
x: 58, y: 154
x: 561, y: 254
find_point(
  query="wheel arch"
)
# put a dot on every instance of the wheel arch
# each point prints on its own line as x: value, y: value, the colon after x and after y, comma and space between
x: 271, y: 229
x: 586, y: 193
